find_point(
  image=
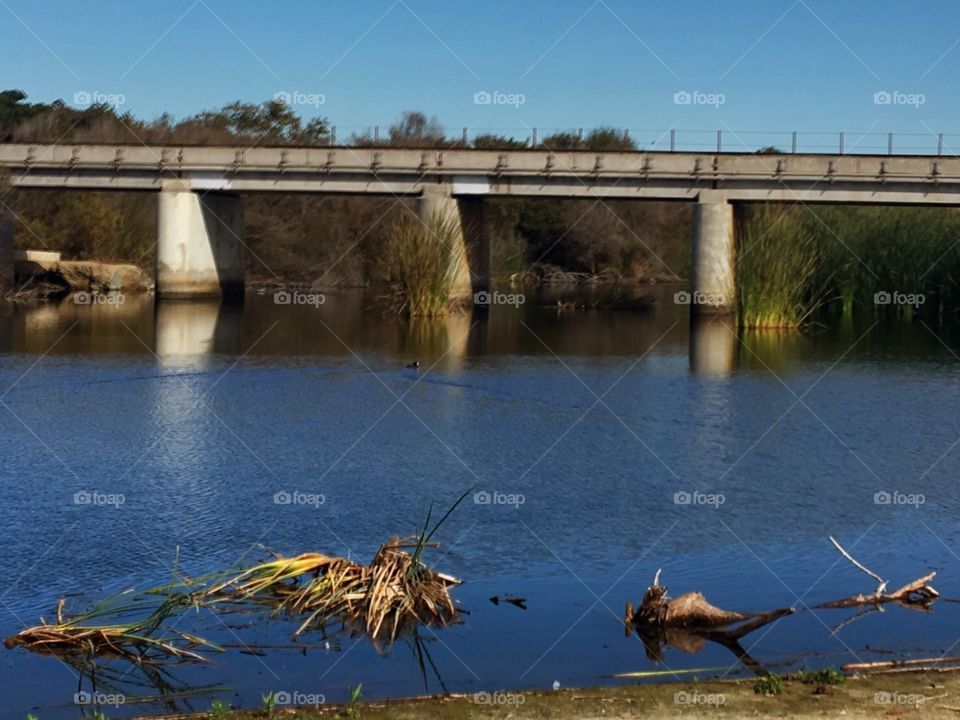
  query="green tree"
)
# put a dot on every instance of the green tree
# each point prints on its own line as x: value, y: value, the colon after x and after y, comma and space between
x: 561, y: 141
x: 608, y: 138
x: 498, y: 142
x: 271, y: 122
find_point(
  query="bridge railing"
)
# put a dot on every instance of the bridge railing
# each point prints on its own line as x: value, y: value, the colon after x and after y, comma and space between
x: 681, y: 140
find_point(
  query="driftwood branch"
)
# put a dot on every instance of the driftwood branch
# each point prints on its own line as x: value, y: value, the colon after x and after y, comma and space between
x: 918, y: 592
x: 689, y: 621
x: 883, y: 583
x: 879, y: 665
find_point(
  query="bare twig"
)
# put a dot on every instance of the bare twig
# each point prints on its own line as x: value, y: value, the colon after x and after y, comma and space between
x: 882, y: 583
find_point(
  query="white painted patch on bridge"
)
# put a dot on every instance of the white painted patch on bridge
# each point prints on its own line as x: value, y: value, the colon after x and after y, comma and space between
x: 469, y: 185
x: 209, y: 181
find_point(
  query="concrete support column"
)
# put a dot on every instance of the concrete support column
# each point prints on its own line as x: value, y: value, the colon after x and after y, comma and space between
x: 469, y: 213
x: 712, y: 278
x: 6, y: 245
x: 199, y: 245
x: 476, y: 233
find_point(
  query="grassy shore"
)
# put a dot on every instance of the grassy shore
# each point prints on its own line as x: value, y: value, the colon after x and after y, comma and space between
x: 905, y: 694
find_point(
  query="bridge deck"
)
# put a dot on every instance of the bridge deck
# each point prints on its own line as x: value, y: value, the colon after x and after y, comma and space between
x: 573, y: 173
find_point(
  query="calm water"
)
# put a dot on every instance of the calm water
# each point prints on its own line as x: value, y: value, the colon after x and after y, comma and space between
x: 199, y: 415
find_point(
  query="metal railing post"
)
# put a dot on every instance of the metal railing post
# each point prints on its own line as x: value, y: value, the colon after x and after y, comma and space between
x: 939, y: 144
x: 841, y: 143
x: 465, y: 140
x: 533, y: 138
x: 333, y: 134
x: 376, y: 134
x: 793, y: 143
x: 889, y: 143
x: 719, y: 140
x: 673, y: 139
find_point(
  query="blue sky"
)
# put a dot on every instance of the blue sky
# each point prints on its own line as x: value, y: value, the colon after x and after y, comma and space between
x: 746, y: 65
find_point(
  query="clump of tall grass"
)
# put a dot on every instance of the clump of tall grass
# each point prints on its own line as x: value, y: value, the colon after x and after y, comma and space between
x: 393, y: 592
x: 422, y: 264
x: 846, y: 262
x: 873, y: 253
x: 107, y: 630
x: 779, y: 262
x: 396, y: 591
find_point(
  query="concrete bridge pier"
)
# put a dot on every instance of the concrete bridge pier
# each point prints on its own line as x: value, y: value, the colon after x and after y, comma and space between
x: 199, y: 244
x: 712, y: 276
x: 6, y: 247
x: 470, y: 216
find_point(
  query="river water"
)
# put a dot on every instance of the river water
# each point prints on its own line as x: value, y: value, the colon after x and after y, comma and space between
x: 601, y: 445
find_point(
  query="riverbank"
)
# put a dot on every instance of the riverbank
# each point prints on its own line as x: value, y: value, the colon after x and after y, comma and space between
x: 932, y: 694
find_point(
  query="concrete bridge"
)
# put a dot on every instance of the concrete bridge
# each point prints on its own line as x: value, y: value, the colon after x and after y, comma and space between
x: 200, y: 214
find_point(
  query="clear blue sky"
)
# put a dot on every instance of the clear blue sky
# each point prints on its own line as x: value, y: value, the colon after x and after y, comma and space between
x: 779, y: 64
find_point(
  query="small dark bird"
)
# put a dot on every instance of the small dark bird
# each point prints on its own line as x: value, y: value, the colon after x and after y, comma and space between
x: 415, y: 365
x: 520, y: 602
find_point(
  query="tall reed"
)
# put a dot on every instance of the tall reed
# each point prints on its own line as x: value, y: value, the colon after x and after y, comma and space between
x: 779, y: 260
x: 422, y: 264
x: 831, y: 261
x: 876, y: 254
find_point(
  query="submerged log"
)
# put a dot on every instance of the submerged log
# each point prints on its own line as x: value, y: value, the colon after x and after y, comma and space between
x: 689, y: 621
x: 692, y: 611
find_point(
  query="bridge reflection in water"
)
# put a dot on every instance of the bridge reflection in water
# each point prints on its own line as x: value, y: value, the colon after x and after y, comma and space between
x: 349, y: 325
